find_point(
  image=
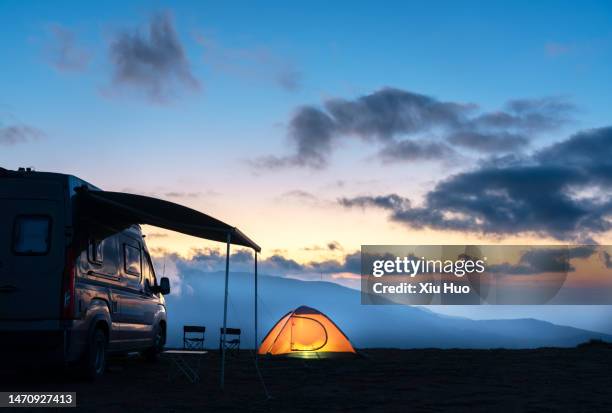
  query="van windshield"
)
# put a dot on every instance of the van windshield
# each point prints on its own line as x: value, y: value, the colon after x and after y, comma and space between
x: 31, y: 235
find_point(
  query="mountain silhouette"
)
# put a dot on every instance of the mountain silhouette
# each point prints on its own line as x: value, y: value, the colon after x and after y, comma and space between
x: 197, y: 299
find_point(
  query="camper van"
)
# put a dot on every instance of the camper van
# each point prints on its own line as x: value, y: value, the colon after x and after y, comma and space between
x: 72, y: 289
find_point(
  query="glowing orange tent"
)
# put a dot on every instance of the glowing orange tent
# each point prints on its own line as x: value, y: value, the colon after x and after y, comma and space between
x: 305, y: 332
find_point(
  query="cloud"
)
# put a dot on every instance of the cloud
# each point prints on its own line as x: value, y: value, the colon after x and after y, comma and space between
x: 330, y: 246
x: 17, y: 133
x: 174, y: 194
x: 299, y: 195
x: 513, y: 195
x: 280, y: 265
x: 544, y: 260
x: 529, y: 115
x: 156, y: 235
x: 390, y: 112
x: 257, y: 63
x: 607, y: 259
x: 153, y: 63
x: 413, y: 150
x: 488, y: 142
x: 411, y: 126
x: 312, y: 131
x: 393, y: 202
x: 303, y: 198
x: 289, y: 79
x: 351, y: 263
x: 213, y: 259
x: 63, y: 51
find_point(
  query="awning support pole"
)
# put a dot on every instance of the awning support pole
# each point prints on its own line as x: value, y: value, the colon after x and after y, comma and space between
x: 227, y: 257
x: 256, y: 349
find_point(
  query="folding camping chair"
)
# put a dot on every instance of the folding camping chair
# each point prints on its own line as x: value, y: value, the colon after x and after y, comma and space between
x: 193, y: 337
x: 188, y: 360
x: 230, y: 344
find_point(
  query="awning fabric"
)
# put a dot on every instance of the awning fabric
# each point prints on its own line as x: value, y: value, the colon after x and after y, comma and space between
x: 122, y: 208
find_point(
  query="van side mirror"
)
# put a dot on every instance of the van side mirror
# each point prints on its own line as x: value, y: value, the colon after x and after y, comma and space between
x: 164, y: 286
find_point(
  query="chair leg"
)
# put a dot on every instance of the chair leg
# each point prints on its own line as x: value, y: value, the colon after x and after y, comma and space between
x: 189, y: 372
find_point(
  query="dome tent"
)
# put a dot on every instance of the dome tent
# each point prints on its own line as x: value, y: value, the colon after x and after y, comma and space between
x: 305, y: 332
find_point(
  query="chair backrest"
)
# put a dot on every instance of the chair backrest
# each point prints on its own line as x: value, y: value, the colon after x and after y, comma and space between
x: 193, y: 337
x: 230, y: 331
x: 194, y: 329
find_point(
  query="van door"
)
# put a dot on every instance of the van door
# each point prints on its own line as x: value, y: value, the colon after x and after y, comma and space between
x: 135, y: 331
x: 99, y: 269
x: 32, y: 258
x: 150, y: 300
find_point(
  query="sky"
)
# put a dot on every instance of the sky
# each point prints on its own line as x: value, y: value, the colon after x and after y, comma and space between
x: 320, y: 127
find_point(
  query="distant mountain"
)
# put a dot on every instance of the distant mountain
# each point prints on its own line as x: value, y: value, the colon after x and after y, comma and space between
x: 201, y: 302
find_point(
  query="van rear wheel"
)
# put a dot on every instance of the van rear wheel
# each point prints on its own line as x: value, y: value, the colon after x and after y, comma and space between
x: 94, y: 362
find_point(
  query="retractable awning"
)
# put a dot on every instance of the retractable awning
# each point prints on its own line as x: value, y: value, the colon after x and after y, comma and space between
x: 120, y: 208
x: 139, y: 209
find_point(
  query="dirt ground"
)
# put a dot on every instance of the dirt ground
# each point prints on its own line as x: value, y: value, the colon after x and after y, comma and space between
x: 380, y: 380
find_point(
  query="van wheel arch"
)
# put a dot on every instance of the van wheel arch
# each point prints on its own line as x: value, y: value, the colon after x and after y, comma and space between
x: 102, y: 325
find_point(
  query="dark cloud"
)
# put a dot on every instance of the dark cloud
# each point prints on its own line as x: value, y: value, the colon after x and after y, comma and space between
x: 607, y: 259
x: 350, y: 263
x: 488, y: 142
x: 536, y: 194
x: 411, y: 126
x: 18, y: 133
x: 588, y: 151
x: 312, y: 131
x: 63, y: 51
x: 154, y: 63
x: 529, y: 114
x: 393, y: 202
x: 212, y: 259
x: 545, y: 260
x: 582, y: 252
x: 390, y: 112
x: 278, y: 264
x: 330, y: 246
x: 413, y: 150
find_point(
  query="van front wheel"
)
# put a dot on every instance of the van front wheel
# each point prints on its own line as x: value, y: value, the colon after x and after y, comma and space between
x: 94, y: 362
x: 159, y: 339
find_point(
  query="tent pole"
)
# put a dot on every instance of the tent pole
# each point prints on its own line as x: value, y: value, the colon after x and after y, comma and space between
x: 256, y: 307
x: 227, y: 257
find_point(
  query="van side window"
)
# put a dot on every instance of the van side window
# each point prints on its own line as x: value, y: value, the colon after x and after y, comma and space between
x: 32, y: 235
x: 132, y: 259
x: 148, y: 271
x: 96, y: 251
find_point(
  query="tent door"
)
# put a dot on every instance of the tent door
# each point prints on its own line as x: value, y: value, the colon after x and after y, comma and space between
x: 307, y: 334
